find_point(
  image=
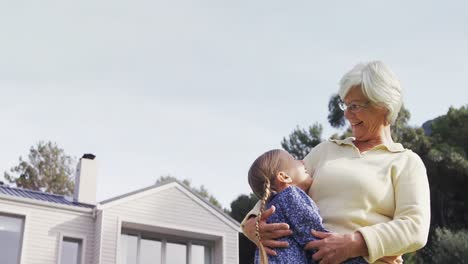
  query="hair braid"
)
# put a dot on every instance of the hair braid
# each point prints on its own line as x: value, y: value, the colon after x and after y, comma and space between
x: 262, y: 181
x: 266, y: 195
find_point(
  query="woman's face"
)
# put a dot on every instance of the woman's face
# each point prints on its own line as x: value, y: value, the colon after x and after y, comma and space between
x: 368, y: 122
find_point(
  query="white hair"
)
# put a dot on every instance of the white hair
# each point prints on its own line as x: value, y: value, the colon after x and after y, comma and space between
x: 378, y: 83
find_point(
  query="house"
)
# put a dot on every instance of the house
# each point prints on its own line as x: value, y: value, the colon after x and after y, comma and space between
x: 159, y: 224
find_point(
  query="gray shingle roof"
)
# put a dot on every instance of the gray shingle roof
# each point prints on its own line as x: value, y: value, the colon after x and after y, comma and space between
x: 41, y: 196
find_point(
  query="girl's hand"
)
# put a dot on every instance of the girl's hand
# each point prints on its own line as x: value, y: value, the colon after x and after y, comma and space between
x: 334, y: 248
x: 268, y: 232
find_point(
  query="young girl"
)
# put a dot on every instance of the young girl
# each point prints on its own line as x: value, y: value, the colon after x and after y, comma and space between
x: 280, y: 180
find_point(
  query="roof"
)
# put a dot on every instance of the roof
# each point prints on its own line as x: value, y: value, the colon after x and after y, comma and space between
x: 41, y: 196
x: 220, y: 211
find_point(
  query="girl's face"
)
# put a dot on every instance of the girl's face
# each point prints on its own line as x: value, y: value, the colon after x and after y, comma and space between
x: 295, y: 169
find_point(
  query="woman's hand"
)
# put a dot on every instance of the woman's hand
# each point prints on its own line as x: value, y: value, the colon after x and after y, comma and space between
x: 334, y: 248
x: 268, y: 232
x: 392, y: 259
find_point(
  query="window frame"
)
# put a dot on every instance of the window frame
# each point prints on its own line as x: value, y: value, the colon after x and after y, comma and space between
x: 24, y: 217
x: 167, y: 238
x: 73, y: 236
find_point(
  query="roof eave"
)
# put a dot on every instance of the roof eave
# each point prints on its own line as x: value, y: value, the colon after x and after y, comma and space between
x: 46, y: 204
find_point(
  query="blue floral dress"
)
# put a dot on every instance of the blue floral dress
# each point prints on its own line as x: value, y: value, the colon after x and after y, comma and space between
x: 296, y: 208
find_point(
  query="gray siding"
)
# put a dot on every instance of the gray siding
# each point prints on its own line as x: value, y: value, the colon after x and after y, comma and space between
x: 43, y: 227
x: 168, y: 207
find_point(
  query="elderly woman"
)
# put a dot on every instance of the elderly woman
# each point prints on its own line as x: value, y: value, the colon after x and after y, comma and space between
x: 372, y: 192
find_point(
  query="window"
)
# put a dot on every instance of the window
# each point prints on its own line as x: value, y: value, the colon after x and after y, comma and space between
x: 200, y: 255
x: 11, y: 236
x: 176, y: 253
x: 129, y: 249
x: 136, y: 248
x: 71, y: 252
x: 150, y: 251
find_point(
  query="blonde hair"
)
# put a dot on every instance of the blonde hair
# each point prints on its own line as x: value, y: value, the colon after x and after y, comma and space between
x: 378, y: 83
x: 261, y: 179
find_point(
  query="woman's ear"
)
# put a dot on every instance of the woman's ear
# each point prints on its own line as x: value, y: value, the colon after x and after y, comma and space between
x: 283, y: 177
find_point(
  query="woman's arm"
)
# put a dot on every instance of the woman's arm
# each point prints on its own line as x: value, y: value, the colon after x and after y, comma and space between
x: 304, y: 216
x: 268, y: 232
x: 407, y: 231
x: 334, y: 248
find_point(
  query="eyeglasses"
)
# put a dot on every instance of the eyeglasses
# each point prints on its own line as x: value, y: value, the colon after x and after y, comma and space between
x: 353, y: 107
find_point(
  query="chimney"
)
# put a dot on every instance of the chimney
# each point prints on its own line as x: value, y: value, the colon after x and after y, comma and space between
x: 85, y: 180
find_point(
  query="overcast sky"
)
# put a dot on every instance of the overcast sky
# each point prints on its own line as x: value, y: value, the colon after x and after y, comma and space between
x: 198, y: 89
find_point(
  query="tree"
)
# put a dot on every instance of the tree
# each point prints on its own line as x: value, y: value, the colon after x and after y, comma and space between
x: 447, y: 169
x: 47, y: 169
x: 301, y: 141
x: 401, y: 124
x: 242, y: 205
x: 202, y: 191
x: 335, y: 114
x: 450, y: 247
x: 452, y: 128
x: 168, y: 178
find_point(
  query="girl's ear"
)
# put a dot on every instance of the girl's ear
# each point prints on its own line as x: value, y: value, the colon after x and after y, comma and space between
x: 283, y: 177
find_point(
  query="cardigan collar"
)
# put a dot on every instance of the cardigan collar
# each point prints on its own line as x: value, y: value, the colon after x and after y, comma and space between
x: 392, y: 147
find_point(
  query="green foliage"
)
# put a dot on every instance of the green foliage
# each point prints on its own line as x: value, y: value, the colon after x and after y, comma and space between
x: 335, y: 114
x: 202, y: 191
x: 242, y: 205
x: 451, y: 156
x: 301, y: 141
x: 453, y: 129
x: 449, y: 246
x: 413, y: 138
x: 47, y: 169
x: 411, y: 258
x: 450, y: 137
x: 345, y: 134
x: 447, y: 169
x: 401, y: 124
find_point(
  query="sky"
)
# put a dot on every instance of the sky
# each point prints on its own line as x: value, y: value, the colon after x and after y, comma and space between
x: 199, y: 89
